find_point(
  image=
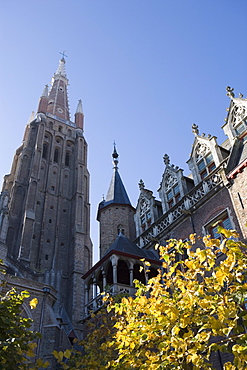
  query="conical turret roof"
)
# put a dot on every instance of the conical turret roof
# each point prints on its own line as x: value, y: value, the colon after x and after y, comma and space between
x: 116, y: 193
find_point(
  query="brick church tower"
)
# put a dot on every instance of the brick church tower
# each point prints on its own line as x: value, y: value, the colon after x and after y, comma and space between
x: 44, y: 204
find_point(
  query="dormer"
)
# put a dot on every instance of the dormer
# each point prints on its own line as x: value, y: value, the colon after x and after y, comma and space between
x: 148, y: 209
x: 205, y: 156
x: 174, y: 185
x: 236, y: 120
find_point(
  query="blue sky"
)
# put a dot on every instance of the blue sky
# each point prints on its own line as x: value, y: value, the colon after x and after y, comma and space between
x: 144, y: 69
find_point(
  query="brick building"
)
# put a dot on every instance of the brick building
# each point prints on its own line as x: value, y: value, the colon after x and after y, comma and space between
x: 214, y: 193
x: 45, y: 217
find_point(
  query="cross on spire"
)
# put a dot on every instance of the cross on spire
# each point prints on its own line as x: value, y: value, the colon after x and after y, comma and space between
x: 63, y: 54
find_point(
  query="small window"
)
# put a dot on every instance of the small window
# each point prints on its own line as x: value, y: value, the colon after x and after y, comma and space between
x: 67, y: 159
x: 176, y: 189
x: 171, y: 203
x: 209, y: 158
x: 46, y: 257
x: 173, y: 196
x: 206, y: 165
x: 201, y: 165
x: 45, y: 149
x: 241, y: 128
x: 56, y: 152
x: 169, y: 195
x: 120, y: 229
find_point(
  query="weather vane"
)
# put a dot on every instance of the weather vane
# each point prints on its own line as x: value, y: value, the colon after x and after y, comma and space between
x: 63, y: 54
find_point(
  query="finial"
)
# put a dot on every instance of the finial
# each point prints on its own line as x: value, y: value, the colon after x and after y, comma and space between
x: 141, y: 184
x: 32, y: 116
x: 79, y: 108
x: 63, y: 54
x: 230, y: 92
x: 195, y: 129
x: 166, y: 159
x: 61, y: 68
x: 240, y: 95
x: 45, y: 91
x: 115, y: 156
x: 103, y: 197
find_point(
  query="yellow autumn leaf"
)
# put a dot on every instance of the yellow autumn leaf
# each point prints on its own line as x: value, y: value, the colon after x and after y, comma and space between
x: 175, y: 330
x: 33, y: 303
x: 221, y: 276
x: 67, y: 353
x: 192, y: 238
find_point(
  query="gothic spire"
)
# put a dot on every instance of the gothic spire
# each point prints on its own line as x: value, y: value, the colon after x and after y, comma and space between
x: 79, y: 116
x: 116, y: 192
x: 58, y: 104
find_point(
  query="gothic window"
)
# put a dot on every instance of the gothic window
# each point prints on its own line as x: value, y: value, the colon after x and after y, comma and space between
x: 56, y: 155
x: 173, y: 196
x: 45, y: 150
x: 205, y: 165
x: 67, y: 159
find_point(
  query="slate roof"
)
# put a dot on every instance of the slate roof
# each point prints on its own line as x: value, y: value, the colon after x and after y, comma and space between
x: 237, y: 156
x: 123, y: 244
x: 116, y: 192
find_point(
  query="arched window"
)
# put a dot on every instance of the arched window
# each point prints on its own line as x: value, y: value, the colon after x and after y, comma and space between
x: 45, y: 150
x: 123, y: 276
x: 56, y: 155
x: 67, y: 159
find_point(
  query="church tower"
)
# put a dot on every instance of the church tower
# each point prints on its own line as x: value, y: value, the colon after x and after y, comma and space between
x: 115, y: 213
x: 44, y: 205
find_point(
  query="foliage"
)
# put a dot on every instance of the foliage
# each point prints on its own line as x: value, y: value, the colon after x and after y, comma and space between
x: 17, y: 346
x: 193, y: 308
